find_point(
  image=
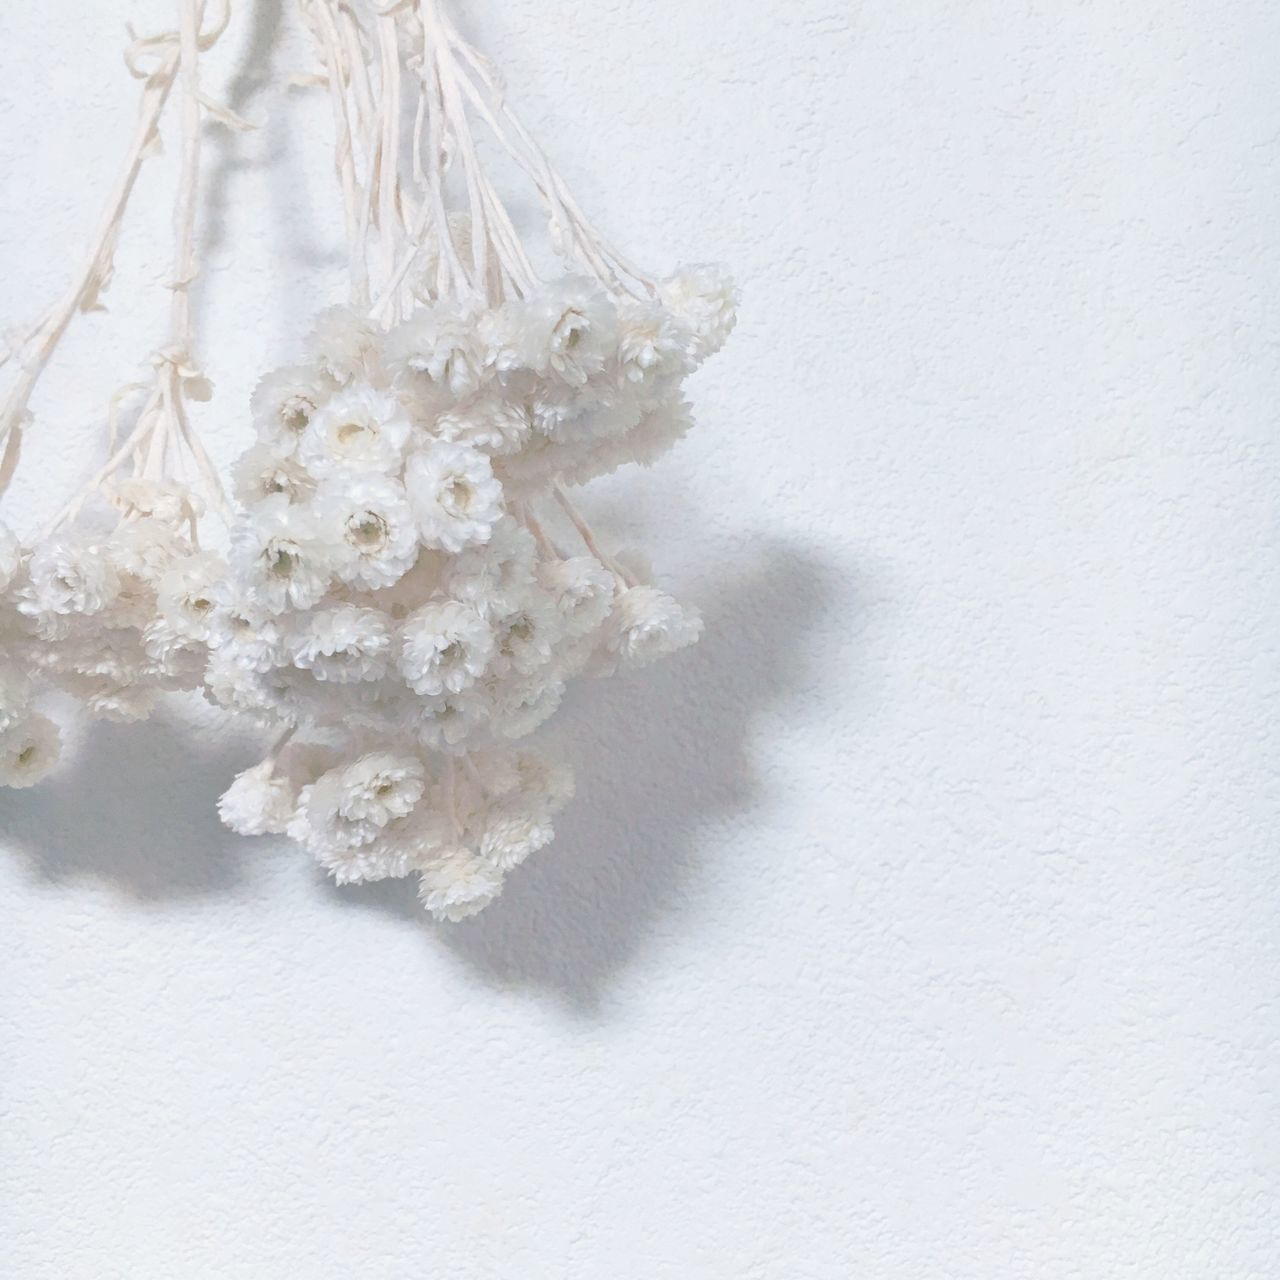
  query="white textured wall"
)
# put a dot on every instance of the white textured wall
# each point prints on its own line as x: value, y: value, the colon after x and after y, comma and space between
x: 923, y: 923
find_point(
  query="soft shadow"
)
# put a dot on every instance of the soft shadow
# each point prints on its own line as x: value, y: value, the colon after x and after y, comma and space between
x: 251, y: 76
x: 661, y: 755
x: 254, y: 91
x: 136, y: 809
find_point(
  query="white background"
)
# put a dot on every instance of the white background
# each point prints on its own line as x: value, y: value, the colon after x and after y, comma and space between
x: 921, y: 923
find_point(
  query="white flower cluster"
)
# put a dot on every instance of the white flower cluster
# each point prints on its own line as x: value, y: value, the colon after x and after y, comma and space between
x: 113, y: 615
x: 393, y: 602
x: 388, y: 584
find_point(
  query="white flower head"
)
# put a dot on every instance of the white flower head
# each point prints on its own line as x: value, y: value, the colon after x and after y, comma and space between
x: 263, y: 696
x: 320, y: 825
x: 647, y: 624
x: 566, y: 330
x: 451, y: 720
x: 527, y: 633
x: 382, y: 786
x: 439, y: 345
x: 397, y: 849
x: 242, y: 634
x: 121, y: 704
x: 495, y: 577
x: 164, y: 500
x: 653, y: 342
x: 368, y: 520
x: 581, y: 589
x: 663, y: 425
x: 146, y: 548
x: 359, y: 430
x: 344, y: 816
x: 514, y: 820
x: 458, y: 884
x: 497, y: 424
x: 29, y: 749
x: 345, y: 344
x: 187, y: 593
x: 115, y: 653
x: 344, y: 644
x: 260, y: 801
x: 524, y: 703
x: 176, y: 660
x: 454, y: 496
x: 71, y: 574
x: 264, y: 471
x: 285, y: 401
x: 706, y: 299
x: 279, y: 558
x: 379, y: 786
x: 445, y: 647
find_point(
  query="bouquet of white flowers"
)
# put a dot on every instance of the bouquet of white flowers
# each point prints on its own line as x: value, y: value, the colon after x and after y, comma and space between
x: 407, y: 586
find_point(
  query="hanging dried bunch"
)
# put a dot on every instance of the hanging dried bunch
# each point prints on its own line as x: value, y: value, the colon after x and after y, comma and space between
x: 395, y: 601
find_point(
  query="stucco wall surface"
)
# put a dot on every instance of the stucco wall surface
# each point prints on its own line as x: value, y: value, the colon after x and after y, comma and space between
x: 923, y: 922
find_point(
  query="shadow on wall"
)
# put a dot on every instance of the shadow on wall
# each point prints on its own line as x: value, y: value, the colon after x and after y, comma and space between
x: 660, y: 756
x: 135, y: 809
x: 303, y: 222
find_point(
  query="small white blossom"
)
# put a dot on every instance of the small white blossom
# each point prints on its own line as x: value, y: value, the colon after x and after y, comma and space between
x: 285, y: 401
x: 581, y: 589
x: 514, y: 820
x: 454, y: 496
x: 242, y: 634
x: 279, y: 557
x: 344, y: 644
x: 524, y: 703
x: 382, y: 786
x: 397, y: 849
x: 121, y: 704
x: 70, y: 574
x: 495, y: 577
x: 146, y: 548
x: 358, y: 430
x: 652, y: 342
x: 526, y: 634
x: 346, y: 809
x: 260, y: 801
x: 445, y: 646
x: 186, y: 594
x: 367, y: 518
x: 706, y: 299
x: 176, y: 660
x: 647, y: 624
x: 452, y: 719
x: 29, y: 749
x: 439, y: 344
x: 164, y: 500
x: 497, y: 424
x: 264, y: 471
x: 660, y: 427
x: 235, y: 686
x: 458, y: 884
x: 566, y: 330
x: 345, y: 344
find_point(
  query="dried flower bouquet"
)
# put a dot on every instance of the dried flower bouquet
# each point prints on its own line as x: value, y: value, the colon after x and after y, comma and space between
x: 394, y: 602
